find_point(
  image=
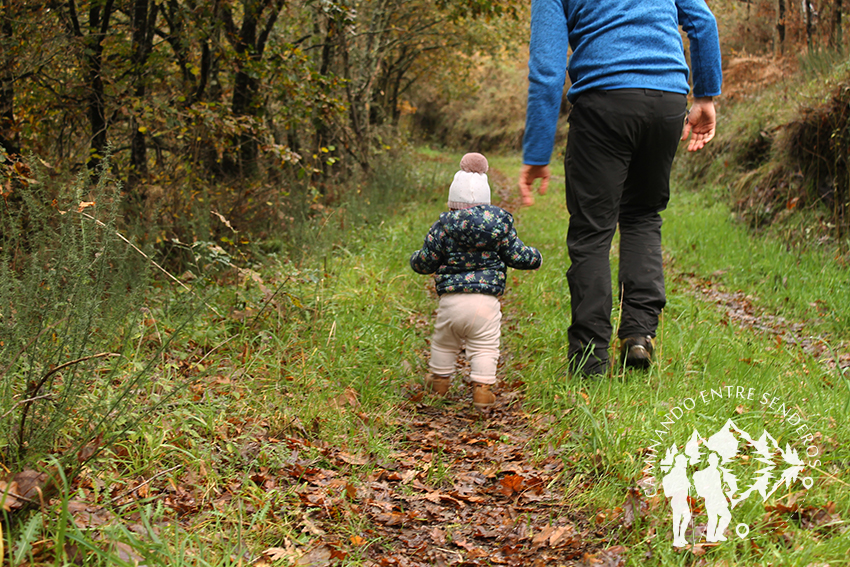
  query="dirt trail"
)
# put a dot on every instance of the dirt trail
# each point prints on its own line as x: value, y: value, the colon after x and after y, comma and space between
x: 464, y: 488
x: 741, y: 309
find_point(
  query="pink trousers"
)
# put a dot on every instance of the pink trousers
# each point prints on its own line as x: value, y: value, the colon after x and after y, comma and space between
x: 470, y: 321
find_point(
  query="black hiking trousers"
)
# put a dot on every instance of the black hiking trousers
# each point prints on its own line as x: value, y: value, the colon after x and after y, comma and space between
x: 620, y: 149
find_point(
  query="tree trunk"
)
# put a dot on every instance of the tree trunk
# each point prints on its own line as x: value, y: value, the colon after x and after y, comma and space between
x: 808, y: 10
x: 779, y: 43
x: 249, y: 43
x: 8, y: 133
x: 144, y: 19
x: 322, y: 134
x: 99, y: 16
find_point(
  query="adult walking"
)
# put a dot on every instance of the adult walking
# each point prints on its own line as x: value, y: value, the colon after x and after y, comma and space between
x: 629, y: 86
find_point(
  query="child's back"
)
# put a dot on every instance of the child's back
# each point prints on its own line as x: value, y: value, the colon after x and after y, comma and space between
x: 470, y: 249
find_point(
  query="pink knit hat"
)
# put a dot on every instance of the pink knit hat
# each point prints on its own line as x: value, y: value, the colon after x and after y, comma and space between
x: 469, y: 187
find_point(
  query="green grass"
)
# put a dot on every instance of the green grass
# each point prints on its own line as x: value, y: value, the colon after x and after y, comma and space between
x: 311, y: 382
x: 607, y: 425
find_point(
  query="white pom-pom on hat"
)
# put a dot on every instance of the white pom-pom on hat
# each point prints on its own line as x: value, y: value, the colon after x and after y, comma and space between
x: 470, y: 187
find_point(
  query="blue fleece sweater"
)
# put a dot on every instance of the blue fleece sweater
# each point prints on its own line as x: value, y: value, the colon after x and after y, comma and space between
x: 616, y: 44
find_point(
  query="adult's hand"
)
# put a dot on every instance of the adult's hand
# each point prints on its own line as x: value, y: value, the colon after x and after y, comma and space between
x: 527, y: 175
x: 700, y: 123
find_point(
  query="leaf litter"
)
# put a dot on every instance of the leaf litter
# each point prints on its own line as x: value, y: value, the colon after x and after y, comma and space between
x: 458, y: 487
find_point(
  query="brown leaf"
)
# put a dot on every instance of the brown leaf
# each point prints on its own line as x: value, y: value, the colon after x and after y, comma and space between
x: 559, y: 536
x: 436, y: 497
x: 31, y: 482
x: 352, y: 459
x: 392, y: 519
x: 126, y: 553
x: 316, y: 557
x: 817, y: 517
x: 75, y: 556
x: 88, y: 451
x: 347, y: 399
x: 350, y: 491
x: 7, y: 496
x: 288, y: 552
x: 87, y: 516
x: 511, y: 484
x: 542, y: 536
x: 438, y: 536
x: 634, y: 507
x: 611, y: 557
x: 312, y: 528
x: 27, y: 487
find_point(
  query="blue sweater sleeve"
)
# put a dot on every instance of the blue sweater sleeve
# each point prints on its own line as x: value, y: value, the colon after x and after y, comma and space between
x: 547, y: 72
x: 700, y: 25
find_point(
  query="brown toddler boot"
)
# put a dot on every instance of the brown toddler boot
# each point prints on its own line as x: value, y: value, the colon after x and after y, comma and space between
x: 436, y: 384
x: 482, y: 397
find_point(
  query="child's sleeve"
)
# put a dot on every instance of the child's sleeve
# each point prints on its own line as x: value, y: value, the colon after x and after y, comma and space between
x: 517, y: 255
x: 431, y: 256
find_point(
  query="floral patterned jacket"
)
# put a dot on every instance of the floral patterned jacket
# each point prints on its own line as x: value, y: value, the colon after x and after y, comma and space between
x: 471, y: 250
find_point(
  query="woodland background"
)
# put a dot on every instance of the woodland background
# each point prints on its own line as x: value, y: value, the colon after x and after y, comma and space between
x: 249, y: 108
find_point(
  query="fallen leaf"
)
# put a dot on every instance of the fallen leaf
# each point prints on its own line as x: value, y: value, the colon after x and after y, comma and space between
x: 352, y: 459
x: 438, y: 536
x: 347, y: 398
x: 316, y: 557
x: 542, y: 536
x: 312, y: 528
x: 559, y: 535
x: 7, y: 496
x: 511, y: 484
x: 287, y: 552
x: 350, y: 491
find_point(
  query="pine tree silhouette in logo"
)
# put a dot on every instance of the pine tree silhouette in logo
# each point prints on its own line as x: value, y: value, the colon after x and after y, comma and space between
x: 713, y: 479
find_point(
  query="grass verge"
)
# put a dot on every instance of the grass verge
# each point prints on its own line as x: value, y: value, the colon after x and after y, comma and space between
x: 305, y: 408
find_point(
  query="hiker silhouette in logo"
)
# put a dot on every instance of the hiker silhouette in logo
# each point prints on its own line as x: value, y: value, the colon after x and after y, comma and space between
x: 709, y: 485
x: 676, y: 486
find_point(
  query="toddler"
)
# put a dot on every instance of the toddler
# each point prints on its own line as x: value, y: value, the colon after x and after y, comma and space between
x: 470, y: 248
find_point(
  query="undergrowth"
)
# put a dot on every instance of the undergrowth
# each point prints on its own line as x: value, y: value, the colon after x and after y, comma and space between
x: 780, y: 154
x: 294, y: 338
x: 70, y: 294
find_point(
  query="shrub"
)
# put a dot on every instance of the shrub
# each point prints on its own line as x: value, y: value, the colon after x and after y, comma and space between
x: 70, y: 291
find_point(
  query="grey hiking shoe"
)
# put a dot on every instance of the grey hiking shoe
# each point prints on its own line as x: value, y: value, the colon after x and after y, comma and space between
x: 636, y: 352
